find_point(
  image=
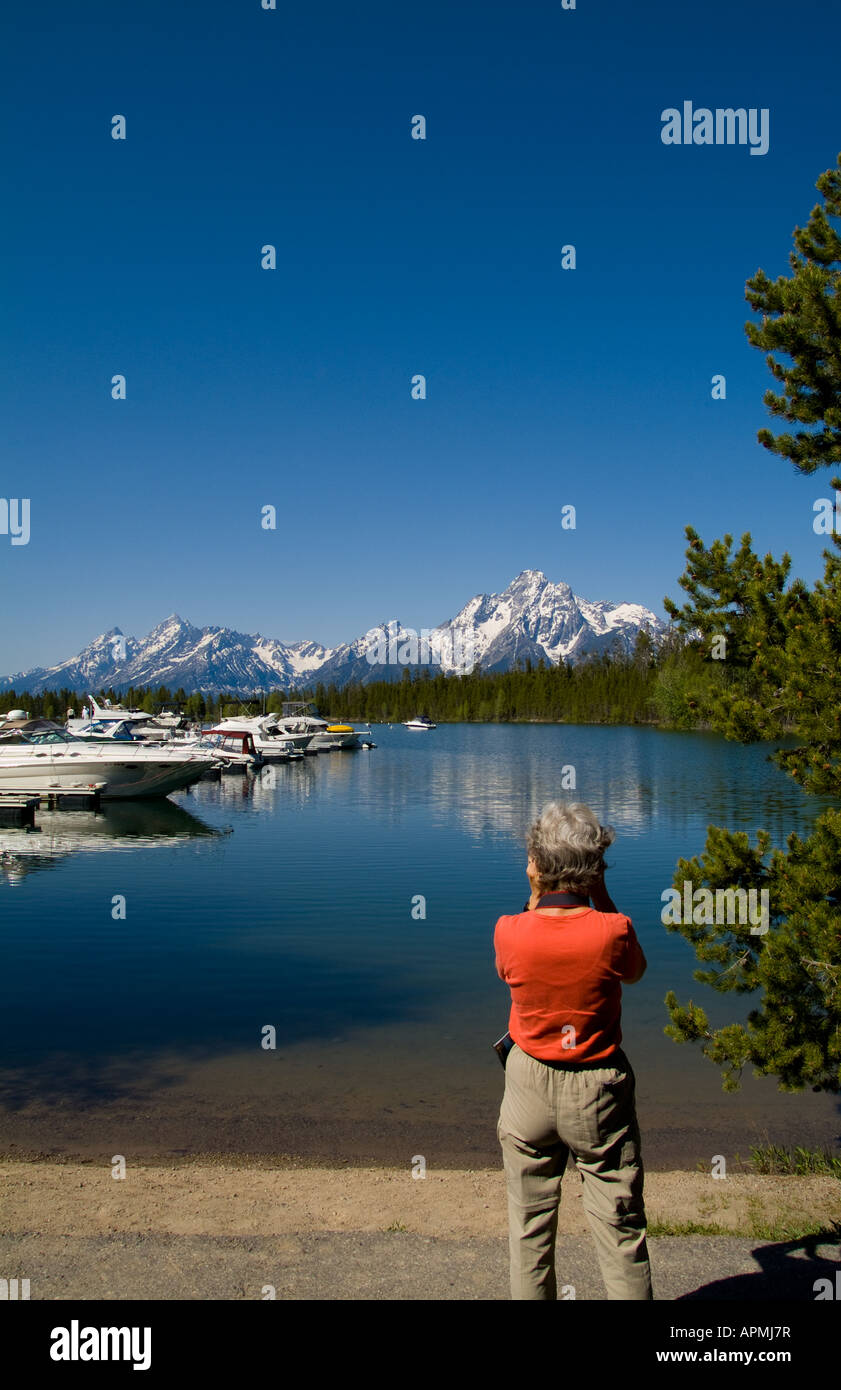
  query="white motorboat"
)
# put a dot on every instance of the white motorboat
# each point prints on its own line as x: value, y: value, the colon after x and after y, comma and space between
x: 273, y: 743
x: 420, y: 723
x: 341, y: 736
x: 232, y: 747
x: 270, y: 734
x: 103, y: 718
x: 39, y: 757
x: 300, y: 716
x: 107, y: 720
x: 102, y: 730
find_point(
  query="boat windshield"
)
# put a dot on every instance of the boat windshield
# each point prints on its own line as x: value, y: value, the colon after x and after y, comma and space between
x: 53, y: 736
x: 119, y: 730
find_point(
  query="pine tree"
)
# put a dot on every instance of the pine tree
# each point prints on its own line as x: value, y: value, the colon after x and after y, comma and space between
x: 801, y: 317
x: 779, y: 673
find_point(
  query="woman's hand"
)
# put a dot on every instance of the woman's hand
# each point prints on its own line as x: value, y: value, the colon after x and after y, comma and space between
x: 534, y: 884
x: 599, y: 896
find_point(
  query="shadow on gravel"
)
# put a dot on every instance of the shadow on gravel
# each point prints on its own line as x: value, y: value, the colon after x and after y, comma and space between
x: 788, y: 1270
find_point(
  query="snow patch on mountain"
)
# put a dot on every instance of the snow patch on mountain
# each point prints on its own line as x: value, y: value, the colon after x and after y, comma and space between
x: 532, y: 618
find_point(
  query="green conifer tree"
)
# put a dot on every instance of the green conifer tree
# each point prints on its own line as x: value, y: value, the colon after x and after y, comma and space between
x: 779, y: 673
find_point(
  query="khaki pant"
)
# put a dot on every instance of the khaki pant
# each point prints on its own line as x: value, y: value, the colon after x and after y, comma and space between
x: 546, y: 1114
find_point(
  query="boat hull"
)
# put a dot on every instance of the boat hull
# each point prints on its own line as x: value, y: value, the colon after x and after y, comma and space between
x: 327, y: 741
x: 71, y: 770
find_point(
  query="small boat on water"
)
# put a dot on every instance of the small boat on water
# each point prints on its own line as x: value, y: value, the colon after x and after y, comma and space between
x: 273, y: 743
x: 233, y: 748
x: 299, y: 716
x: 339, y: 736
x: 419, y: 723
x: 106, y: 720
x: 102, y: 731
x: 300, y: 724
x: 37, y: 755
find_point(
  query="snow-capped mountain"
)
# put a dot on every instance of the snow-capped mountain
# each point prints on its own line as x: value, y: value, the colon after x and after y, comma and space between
x: 531, y: 618
x: 535, y: 618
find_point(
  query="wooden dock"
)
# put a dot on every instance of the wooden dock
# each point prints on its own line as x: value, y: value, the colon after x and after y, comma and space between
x: 17, y: 810
x: 18, y: 805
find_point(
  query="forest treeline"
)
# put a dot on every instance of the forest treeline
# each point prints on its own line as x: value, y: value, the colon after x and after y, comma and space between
x: 665, y: 684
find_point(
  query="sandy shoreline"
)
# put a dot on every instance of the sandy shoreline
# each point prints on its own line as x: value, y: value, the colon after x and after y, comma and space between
x: 220, y: 1198
x: 366, y: 1102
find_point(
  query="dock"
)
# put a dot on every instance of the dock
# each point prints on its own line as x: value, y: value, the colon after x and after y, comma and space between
x: 18, y: 805
x: 17, y: 810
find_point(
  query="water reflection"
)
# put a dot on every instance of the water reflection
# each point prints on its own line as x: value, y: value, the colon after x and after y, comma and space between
x: 494, y: 780
x: 118, y: 826
x: 303, y: 919
x: 294, y: 782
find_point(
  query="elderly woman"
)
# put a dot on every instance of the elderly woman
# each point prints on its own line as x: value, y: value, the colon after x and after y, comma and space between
x: 569, y: 1087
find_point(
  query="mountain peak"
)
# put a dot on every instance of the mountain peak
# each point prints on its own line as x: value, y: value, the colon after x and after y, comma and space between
x: 173, y: 621
x: 527, y: 583
x: 533, y: 619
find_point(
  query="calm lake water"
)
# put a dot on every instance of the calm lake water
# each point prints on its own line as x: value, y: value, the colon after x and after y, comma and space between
x: 286, y: 900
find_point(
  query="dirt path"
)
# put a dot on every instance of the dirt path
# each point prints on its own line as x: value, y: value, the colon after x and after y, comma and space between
x: 205, y: 1198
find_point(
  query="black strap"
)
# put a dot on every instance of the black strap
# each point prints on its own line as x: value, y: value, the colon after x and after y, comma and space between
x: 563, y: 900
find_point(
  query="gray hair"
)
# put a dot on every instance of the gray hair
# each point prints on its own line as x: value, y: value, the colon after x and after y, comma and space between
x: 567, y: 845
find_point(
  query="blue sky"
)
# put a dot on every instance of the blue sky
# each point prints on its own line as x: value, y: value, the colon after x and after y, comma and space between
x: 395, y: 256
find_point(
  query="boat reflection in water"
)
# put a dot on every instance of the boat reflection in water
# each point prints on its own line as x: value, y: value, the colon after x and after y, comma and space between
x: 119, y: 825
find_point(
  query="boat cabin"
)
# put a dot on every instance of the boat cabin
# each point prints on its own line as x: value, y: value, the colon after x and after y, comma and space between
x: 232, y: 740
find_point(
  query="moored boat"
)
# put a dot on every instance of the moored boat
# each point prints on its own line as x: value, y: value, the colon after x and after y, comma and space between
x: 233, y: 748
x: 301, y: 716
x: 38, y: 756
x: 271, y: 739
x: 107, y: 720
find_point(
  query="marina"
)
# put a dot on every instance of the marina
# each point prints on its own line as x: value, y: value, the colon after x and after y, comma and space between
x: 112, y: 752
